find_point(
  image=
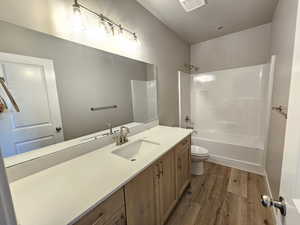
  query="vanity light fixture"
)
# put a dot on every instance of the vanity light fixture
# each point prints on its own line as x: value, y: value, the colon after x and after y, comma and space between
x: 106, y: 24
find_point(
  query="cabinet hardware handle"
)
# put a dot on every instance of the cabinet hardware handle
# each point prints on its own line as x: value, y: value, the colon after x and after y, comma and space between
x: 162, y: 168
x: 99, y: 218
x: 122, y: 219
x: 179, y: 163
x: 157, y: 171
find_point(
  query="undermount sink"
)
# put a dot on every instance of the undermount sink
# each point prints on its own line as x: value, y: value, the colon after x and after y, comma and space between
x: 136, y: 150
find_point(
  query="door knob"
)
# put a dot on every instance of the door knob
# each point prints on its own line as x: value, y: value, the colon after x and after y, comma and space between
x: 58, y: 129
x: 267, y: 202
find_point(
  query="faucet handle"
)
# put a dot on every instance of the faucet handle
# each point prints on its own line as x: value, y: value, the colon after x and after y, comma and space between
x: 124, y: 128
x: 121, y: 136
x: 124, y: 135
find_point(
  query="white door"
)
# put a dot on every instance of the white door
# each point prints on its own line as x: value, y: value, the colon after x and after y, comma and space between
x: 32, y: 83
x: 290, y: 174
x: 184, y: 92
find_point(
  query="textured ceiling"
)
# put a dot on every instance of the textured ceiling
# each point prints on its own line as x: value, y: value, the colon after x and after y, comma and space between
x: 201, y: 24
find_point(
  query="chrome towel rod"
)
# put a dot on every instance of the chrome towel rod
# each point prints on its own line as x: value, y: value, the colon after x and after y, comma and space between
x: 104, y: 107
x: 281, y: 109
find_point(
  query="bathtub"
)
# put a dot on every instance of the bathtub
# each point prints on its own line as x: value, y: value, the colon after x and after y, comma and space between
x: 239, y: 151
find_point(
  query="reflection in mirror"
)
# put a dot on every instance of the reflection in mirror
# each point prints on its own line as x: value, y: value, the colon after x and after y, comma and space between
x: 67, y: 91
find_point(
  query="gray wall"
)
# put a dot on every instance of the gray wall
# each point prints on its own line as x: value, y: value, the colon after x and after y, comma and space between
x: 86, y: 77
x: 283, y: 36
x: 159, y: 45
x: 244, y: 48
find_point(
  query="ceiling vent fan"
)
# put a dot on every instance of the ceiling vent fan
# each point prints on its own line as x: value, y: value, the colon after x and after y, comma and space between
x: 190, y: 5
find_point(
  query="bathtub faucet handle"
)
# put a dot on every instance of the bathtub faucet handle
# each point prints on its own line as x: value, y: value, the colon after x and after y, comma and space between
x: 192, y: 128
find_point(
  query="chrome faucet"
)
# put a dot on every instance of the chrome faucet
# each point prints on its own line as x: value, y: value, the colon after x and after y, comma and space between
x: 121, y: 137
x: 110, y: 128
x: 110, y: 132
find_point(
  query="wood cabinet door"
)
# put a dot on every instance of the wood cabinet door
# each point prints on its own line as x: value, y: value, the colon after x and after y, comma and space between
x: 140, y: 199
x: 167, y: 185
x: 183, y: 174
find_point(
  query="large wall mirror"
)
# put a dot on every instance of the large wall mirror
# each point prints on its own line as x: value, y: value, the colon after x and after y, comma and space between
x: 67, y: 91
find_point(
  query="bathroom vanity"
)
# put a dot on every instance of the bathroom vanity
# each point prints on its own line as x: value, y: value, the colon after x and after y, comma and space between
x: 135, y: 183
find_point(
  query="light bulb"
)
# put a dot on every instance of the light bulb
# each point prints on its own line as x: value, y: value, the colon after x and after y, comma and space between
x: 104, y: 26
x: 101, y: 28
x: 77, y: 18
x: 126, y: 40
x: 99, y: 31
x: 120, y: 35
x: 135, y: 39
x: 132, y: 40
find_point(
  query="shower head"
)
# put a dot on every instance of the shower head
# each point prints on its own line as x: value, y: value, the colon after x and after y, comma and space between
x: 191, y: 68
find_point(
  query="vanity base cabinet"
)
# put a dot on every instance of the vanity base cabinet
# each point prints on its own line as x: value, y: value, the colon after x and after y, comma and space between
x: 152, y: 195
x: 140, y: 199
x: 149, y: 197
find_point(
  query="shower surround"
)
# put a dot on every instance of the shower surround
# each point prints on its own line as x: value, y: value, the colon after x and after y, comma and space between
x: 229, y: 110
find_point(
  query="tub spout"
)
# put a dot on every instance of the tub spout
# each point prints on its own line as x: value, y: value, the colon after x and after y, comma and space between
x: 192, y: 128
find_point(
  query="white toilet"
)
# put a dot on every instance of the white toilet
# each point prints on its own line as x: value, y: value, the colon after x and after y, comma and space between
x: 199, y: 155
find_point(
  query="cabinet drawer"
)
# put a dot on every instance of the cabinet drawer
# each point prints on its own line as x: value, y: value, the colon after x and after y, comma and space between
x: 103, y: 212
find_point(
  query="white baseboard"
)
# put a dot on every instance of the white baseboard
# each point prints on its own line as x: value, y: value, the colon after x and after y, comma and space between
x: 238, y: 164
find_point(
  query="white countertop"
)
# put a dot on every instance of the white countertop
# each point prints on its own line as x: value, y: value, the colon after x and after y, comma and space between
x: 60, y: 194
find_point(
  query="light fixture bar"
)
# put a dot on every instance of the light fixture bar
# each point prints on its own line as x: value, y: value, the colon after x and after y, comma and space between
x: 103, y: 17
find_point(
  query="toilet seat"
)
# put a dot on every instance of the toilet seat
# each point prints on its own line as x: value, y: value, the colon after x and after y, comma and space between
x: 198, y: 151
